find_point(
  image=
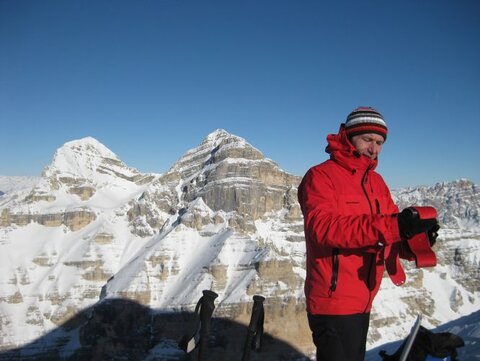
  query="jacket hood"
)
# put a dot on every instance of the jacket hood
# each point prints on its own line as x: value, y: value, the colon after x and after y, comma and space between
x: 344, y: 153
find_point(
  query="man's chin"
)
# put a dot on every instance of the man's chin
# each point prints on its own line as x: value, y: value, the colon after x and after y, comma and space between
x: 369, y: 156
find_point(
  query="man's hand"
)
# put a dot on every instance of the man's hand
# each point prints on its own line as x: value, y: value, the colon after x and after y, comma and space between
x: 410, y: 224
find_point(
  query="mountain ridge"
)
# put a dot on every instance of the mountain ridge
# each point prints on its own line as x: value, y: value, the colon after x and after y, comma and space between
x: 224, y: 218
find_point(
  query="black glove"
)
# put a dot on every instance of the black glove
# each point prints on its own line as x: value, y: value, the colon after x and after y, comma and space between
x: 410, y: 224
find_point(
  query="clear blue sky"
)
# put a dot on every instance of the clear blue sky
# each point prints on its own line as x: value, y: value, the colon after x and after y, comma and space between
x: 151, y: 79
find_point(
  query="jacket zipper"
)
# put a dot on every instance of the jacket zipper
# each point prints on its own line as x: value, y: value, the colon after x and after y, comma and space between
x: 364, y: 180
x: 371, y: 266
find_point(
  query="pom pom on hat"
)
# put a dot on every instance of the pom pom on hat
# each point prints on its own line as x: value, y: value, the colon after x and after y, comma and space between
x: 365, y: 120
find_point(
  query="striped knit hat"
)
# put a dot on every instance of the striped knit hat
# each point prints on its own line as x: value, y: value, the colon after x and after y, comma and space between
x: 365, y: 120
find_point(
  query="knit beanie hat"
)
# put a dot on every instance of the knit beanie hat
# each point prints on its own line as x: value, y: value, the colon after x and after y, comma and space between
x: 365, y: 120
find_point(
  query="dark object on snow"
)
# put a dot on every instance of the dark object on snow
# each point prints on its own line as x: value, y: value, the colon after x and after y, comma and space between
x: 443, y: 344
x: 200, y: 327
x: 255, y: 328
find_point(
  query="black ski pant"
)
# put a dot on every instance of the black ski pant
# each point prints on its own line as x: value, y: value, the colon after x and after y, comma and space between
x: 340, y: 337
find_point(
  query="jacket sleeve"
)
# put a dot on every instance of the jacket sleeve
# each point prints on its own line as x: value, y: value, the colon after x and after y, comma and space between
x: 325, y: 226
x: 403, y: 249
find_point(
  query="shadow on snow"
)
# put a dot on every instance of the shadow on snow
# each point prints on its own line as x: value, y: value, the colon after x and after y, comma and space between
x: 120, y: 329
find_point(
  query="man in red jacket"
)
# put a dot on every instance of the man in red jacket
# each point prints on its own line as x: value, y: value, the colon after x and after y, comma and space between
x: 351, y: 227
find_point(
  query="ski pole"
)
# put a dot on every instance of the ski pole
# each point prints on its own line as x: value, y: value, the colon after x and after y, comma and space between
x: 205, y: 317
x: 189, y: 340
x: 411, y: 338
x: 255, y: 328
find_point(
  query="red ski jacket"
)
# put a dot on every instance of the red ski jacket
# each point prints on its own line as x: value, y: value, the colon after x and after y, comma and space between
x: 350, y: 227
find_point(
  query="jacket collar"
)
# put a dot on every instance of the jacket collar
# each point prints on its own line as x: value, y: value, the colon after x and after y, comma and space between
x: 344, y: 153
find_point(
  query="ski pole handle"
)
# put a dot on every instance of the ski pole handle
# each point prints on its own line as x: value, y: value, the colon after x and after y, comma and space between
x: 205, y: 317
x: 255, y: 328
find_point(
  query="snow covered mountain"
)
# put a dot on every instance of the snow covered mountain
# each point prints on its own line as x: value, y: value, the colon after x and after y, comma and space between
x: 11, y: 184
x: 92, y: 231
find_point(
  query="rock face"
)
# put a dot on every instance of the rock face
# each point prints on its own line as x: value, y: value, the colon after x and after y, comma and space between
x: 74, y: 220
x: 93, y: 230
x: 230, y: 175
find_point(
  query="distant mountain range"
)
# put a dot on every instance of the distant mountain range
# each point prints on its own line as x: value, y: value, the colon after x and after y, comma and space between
x: 10, y: 184
x: 92, y: 231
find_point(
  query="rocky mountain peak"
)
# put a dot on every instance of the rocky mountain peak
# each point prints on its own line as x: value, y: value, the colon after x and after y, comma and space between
x: 87, y: 160
x: 229, y: 174
x: 79, y: 158
x: 215, y: 148
x: 222, y: 136
x: 230, y: 178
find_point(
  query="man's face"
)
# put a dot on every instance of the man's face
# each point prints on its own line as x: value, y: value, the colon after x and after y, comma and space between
x: 369, y: 144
